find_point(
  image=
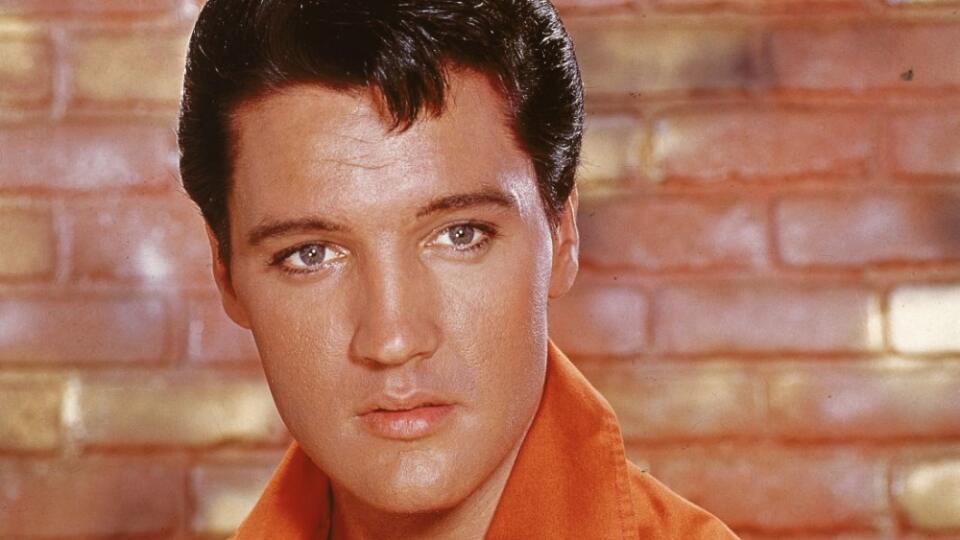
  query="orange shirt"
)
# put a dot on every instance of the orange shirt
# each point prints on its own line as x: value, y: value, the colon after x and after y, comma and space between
x: 571, y: 480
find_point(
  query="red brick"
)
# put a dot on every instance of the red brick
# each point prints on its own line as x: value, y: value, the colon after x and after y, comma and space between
x: 574, y: 5
x: 922, y: 3
x: 137, y: 67
x: 865, y: 57
x: 225, y: 494
x: 30, y: 413
x: 891, y: 399
x: 771, y: 489
x: 183, y: 409
x: 766, y: 317
x: 90, y: 7
x: 214, y: 338
x: 93, y: 497
x: 835, y: 535
x: 923, y: 318
x: 671, y: 402
x: 156, y: 241
x: 612, y: 148
x: 856, y: 230
x: 26, y: 71
x: 628, y: 59
x: 926, y: 144
x: 89, y: 156
x: 673, y: 233
x: 83, y: 329
x: 929, y: 494
x: 599, y: 319
x: 798, y: 7
x: 28, y: 241
x: 749, y: 144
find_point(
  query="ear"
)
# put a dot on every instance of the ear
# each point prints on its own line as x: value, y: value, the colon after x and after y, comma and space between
x: 566, y: 248
x: 221, y: 274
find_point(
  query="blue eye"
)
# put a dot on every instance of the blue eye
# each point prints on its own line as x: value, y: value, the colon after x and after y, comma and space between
x: 461, y: 235
x: 306, y: 258
x: 466, y: 236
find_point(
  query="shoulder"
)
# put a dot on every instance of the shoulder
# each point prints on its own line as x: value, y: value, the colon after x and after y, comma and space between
x: 662, y: 514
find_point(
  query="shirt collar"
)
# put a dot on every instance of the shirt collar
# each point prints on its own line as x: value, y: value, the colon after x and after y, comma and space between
x: 570, y: 478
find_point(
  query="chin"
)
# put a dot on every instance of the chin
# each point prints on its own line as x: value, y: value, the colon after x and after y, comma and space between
x: 410, y: 501
x: 419, y: 482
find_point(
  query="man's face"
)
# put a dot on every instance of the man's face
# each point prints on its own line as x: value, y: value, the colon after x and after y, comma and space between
x: 396, y: 285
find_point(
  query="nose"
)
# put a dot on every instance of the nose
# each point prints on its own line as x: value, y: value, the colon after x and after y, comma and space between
x: 396, y: 315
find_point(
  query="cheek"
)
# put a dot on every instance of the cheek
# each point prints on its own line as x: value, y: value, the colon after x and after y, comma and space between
x: 498, y: 327
x: 301, y: 348
x: 498, y: 302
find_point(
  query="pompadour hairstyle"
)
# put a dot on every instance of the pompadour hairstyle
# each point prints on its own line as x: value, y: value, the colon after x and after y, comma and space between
x: 242, y: 50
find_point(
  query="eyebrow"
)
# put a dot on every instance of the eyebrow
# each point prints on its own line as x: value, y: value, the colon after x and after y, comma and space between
x: 485, y: 196
x: 278, y: 228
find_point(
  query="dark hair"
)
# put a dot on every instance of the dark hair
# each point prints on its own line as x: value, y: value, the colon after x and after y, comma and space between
x: 241, y: 50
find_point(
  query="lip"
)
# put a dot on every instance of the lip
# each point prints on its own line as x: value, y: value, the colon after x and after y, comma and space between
x: 406, y: 418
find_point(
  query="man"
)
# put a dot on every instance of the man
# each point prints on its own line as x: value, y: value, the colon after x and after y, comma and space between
x: 389, y: 193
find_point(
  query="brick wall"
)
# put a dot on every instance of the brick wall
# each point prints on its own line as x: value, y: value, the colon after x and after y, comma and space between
x: 770, y: 296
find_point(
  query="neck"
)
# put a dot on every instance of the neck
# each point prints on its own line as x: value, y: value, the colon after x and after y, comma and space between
x: 470, y: 519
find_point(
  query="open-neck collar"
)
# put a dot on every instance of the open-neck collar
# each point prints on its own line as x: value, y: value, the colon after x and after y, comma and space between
x: 570, y: 478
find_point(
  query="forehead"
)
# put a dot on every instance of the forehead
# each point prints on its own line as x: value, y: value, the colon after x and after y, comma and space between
x: 310, y: 148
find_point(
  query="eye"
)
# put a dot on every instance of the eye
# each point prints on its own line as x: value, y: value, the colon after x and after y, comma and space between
x: 306, y: 258
x: 465, y: 236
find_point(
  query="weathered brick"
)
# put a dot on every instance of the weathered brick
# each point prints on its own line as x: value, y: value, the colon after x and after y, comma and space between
x: 90, y: 498
x: 565, y: 6
x: 599, y: 319
x: 673, y: 233
x: 225, y: 494
x: 766, y: 317
x: 571, y: 6
x: 134, y: 67
x: 835, y: 535
x: 26, y: 70
x: 83, y: 329
x: 28, y: 241
x: 926, y: 144
x: 214, y: 338
x: 618, y: 58
x: 754, y: 6
x: 612, y: 148
x: 921, y: 3
x: 855, y: 230
x: 892, y: 399
x: 90, y: 7
x: 929, y: 495
x: 773, y: 489
x: 177, y: 410
x: 157, y: 241
x: 753, y: 144
x: 864, y: 57
x: 30, y: 413
x: 923, y: 318
x: 669, y: 402
x: 86, y: 156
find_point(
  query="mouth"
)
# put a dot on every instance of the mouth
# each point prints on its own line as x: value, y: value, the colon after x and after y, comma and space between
x: 405, y: 408
x: 413, y: 418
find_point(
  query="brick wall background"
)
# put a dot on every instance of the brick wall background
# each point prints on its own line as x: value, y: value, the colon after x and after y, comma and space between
x: 770, y: 295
